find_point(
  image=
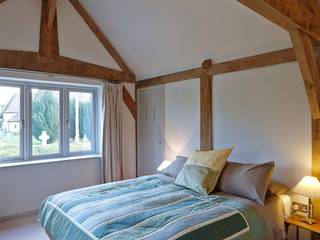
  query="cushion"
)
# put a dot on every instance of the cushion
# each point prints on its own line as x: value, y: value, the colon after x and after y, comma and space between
x: 202, y: 170
x: 246, y: 180
x: 175, y: 167
x: 276, y: 188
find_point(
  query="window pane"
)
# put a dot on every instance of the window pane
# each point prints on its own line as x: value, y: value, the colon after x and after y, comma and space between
x: 80, y: 121
x: 45, y: 121
x: 9, y: 122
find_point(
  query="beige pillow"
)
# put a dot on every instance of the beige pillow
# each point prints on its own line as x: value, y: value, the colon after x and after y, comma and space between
x: 202, y: 170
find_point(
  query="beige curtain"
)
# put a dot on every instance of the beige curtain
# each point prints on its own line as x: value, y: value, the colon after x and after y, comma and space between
x: 112, y: 163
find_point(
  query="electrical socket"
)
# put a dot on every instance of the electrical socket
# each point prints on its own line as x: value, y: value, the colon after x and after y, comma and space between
x: 300, y: 207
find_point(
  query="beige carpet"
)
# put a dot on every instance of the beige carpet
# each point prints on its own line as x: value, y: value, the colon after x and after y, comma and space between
x: 25, y: 228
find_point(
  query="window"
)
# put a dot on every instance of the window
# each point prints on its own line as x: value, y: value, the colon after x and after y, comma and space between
x: 80, y: 121
x: 41, y: 121
x: 10, y: 134
x: 45, y: 122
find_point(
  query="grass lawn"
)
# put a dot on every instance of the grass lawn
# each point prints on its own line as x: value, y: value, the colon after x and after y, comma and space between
x: 9, y: 147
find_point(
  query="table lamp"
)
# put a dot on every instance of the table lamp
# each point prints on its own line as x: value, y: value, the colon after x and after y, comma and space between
x: 310, y: 188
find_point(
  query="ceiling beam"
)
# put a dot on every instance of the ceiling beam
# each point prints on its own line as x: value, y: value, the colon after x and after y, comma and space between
x: 313, y: 5
x: 256, y: 61
x: 168, y: 78
x: 52, y: 11
x: 288, y: 14
x: 31, y: 61
x: 49, y: 42
x: 308, y: 65
x: 100, y: 35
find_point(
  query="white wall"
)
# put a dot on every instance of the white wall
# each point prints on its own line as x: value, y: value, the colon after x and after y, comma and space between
x: 76, y: 40
x: 182, y: 118
x: 265, y: 116
x: 23, y: 188
x: 20, y: 25
x: 262, y: 113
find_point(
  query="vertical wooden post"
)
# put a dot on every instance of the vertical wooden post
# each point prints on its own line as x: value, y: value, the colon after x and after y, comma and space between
x: 316, y: 148
x: 206, y: 142
x: 316, y: 137
x: 308, y: 60
x: 49, y: 42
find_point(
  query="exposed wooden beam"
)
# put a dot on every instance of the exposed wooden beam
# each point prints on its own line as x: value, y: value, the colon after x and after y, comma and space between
x: 174, y: 77
x: 49, y: 42
x: 308, y: 65
x: 313, y: 5
x: 316, y: 135
x: 206, y: 108
x: 30, y: 61
x: 100, y: 35
x: 257, y: 61
x: 52, y: 11
x: 261, y: 60
x: 316, y: 148
x: 129, y: 102
x: 288, y: 14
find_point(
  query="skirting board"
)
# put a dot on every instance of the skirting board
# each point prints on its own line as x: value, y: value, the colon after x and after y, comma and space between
x: 19, y: 215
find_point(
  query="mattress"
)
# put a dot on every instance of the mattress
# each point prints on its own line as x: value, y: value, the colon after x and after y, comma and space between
x: 150, y: 208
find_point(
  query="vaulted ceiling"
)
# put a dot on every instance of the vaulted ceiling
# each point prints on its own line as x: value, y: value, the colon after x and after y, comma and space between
x: 157, y: 37
x: 153, y: 37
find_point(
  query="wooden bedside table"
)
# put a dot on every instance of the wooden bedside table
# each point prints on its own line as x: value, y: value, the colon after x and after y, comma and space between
x: 294, y: 220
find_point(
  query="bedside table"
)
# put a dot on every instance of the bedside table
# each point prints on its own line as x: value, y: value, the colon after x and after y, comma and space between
x: 294, y: 220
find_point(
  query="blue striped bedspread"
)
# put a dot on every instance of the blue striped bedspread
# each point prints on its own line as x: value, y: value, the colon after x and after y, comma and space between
x: 149, y: 208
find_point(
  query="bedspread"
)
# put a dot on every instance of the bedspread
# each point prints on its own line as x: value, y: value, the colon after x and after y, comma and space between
x: 149, y: 208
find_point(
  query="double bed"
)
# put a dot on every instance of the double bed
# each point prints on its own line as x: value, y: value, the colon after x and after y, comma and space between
x: 154, y: 208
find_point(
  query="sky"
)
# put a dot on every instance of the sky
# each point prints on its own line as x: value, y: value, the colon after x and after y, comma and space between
x: 6, y: 93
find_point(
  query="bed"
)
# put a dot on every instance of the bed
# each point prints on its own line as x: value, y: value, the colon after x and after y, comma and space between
x: 154, y: 208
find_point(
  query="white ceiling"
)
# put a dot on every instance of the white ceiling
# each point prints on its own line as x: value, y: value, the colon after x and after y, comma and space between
x: 154, y: 36
x: 161, y: 36
x: 76, y: 40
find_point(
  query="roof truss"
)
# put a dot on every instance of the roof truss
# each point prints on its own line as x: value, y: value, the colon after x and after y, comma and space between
x: 289, y: 14
x: 99, y: 34
x: 48, y: 58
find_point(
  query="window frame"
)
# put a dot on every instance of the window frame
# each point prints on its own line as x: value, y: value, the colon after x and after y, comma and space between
x: 93, y: 122
x: 26, y: 148
x: 31, y: 155
x: 22, y: 122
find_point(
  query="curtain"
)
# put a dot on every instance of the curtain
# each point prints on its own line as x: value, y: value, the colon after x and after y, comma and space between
x: 112, y: 162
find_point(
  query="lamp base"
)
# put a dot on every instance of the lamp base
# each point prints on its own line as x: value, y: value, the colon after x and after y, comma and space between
x: 310, y: 221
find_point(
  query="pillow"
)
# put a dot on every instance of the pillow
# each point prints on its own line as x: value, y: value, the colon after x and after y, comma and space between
x: 246, y: 180
x: 202, y: 170
x: 175, y: 167
x: 276, y: 188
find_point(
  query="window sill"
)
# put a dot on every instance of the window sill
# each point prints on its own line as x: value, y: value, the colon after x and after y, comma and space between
x: 53, y: 160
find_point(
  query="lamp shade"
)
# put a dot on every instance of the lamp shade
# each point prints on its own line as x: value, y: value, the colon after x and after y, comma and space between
x: 164, y: 165
x: 309, y: 187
